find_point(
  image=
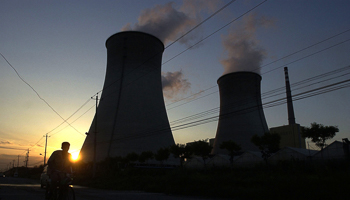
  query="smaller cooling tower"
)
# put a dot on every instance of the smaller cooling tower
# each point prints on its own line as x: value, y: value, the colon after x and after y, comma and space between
x: 241, y: 113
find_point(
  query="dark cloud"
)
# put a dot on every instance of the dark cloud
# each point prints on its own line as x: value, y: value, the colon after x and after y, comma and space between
x: 241, y: 45
x: 5, y: 142
x: 174, y: 85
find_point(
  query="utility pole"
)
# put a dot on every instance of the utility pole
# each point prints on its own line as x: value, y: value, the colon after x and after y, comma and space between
x: 45, y: 148
x: 95, y: 141
x: 27, y: 158
x: 18, y: 161
x: 13, y: 164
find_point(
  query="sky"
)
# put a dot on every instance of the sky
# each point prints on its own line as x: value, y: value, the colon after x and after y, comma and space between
x: 54, y: 60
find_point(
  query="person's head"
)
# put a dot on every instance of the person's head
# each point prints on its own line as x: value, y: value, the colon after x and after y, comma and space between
x: 65, y: 146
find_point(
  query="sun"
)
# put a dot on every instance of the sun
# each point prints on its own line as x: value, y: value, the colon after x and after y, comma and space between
x: 75, y: 156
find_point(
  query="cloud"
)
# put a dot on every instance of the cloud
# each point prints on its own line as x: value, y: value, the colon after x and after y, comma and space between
x: 5, y: 142
x: 168, y: 23
x: 241, y: 45
x: 174, y: 85
x: 14, y: 148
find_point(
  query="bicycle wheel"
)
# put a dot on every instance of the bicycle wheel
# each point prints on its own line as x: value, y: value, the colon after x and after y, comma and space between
x: 70, y: 194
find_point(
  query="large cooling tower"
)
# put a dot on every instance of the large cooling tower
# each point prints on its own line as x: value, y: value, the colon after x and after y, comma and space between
x: 241, y: 113
x: 131, y: 115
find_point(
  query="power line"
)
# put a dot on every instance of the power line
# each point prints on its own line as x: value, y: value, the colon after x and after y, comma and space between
x: 272, y: 91
x: 303, y: 49
x: 167, y: 47
x: 188, y: 33
x: 303, y: 95
x: 215, y: 110
x: 182, y: 51
x: 37, y: 92
x: 215, y: 32
x: 201, y: 23
x: 74, y: 120
x: 308, y: 56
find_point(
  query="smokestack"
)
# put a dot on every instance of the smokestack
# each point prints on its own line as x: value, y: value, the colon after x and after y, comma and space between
x: 241, y: 113
x: 291, y: 118
x: 131, y: 114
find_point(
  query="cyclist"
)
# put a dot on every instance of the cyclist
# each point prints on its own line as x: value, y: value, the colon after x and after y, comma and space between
x: 59, y: 164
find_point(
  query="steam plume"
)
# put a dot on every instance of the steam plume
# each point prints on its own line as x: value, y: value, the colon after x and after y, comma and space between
x: 174, y: 84
x: 168, y: 23
x: 243, y: 51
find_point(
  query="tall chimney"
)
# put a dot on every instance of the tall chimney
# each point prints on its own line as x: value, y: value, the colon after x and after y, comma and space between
x: 241, y: 113
x: 131, y: 114
x: 291, y: 118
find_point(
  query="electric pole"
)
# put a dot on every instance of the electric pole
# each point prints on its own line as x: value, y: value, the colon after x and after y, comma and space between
x: 27, y: 158
x: 18, y: 161
x: 45, y: 148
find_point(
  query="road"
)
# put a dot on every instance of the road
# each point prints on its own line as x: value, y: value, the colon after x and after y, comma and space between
x: 28, y: 189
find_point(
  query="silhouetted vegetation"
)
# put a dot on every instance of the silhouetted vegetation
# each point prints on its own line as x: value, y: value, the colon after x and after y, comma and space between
x: 200, y: 148
x: 181, y: 151
x: 268, y: 144
x: 232, y: 148
x: 162, y: 154
x: 286, y: 180
x: 145, y: 156
x: 318, y: 133
x: 24, y: 172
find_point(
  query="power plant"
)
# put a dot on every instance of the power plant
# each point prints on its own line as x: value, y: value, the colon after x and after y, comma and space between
x: 241, y: 113
x: 131, y: 115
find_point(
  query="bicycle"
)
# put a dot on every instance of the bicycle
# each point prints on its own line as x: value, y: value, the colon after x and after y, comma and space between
x: 64, y: 188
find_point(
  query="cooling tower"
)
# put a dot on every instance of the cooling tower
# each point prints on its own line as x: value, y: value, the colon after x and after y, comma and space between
x: 241, y: 113
x: 131, y: 115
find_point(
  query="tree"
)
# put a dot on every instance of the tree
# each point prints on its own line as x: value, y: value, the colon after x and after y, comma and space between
x: 144, y: 156
x: 318, y: 133
x: 162, y: 154
x: 179, y: 151
x: 132, y: 157
x: 268, y: 144
x: 201, y: 148
x: 232, y: 148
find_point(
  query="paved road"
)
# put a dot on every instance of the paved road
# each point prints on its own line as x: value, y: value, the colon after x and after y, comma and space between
x: 27, y: 189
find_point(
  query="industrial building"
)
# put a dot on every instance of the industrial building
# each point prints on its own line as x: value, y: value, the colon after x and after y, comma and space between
x: 131, y: 115
x: 290, y: 136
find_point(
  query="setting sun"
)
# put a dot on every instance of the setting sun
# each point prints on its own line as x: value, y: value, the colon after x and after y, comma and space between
x: 75, y: 156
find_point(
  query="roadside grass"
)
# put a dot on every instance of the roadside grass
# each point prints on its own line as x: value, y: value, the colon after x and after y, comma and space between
x: 281, y: 181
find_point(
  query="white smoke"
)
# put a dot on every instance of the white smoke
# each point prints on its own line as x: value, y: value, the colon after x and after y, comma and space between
x: 168, y: 23
x: 174, y: 85
x: 241, y: 45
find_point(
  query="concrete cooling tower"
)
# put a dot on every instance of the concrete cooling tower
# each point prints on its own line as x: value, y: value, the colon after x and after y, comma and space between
x: 241, y: 113
x: 131, y: 115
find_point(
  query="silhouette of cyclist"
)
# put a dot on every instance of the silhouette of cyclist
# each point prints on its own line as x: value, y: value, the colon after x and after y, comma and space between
x: 59, y: 164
